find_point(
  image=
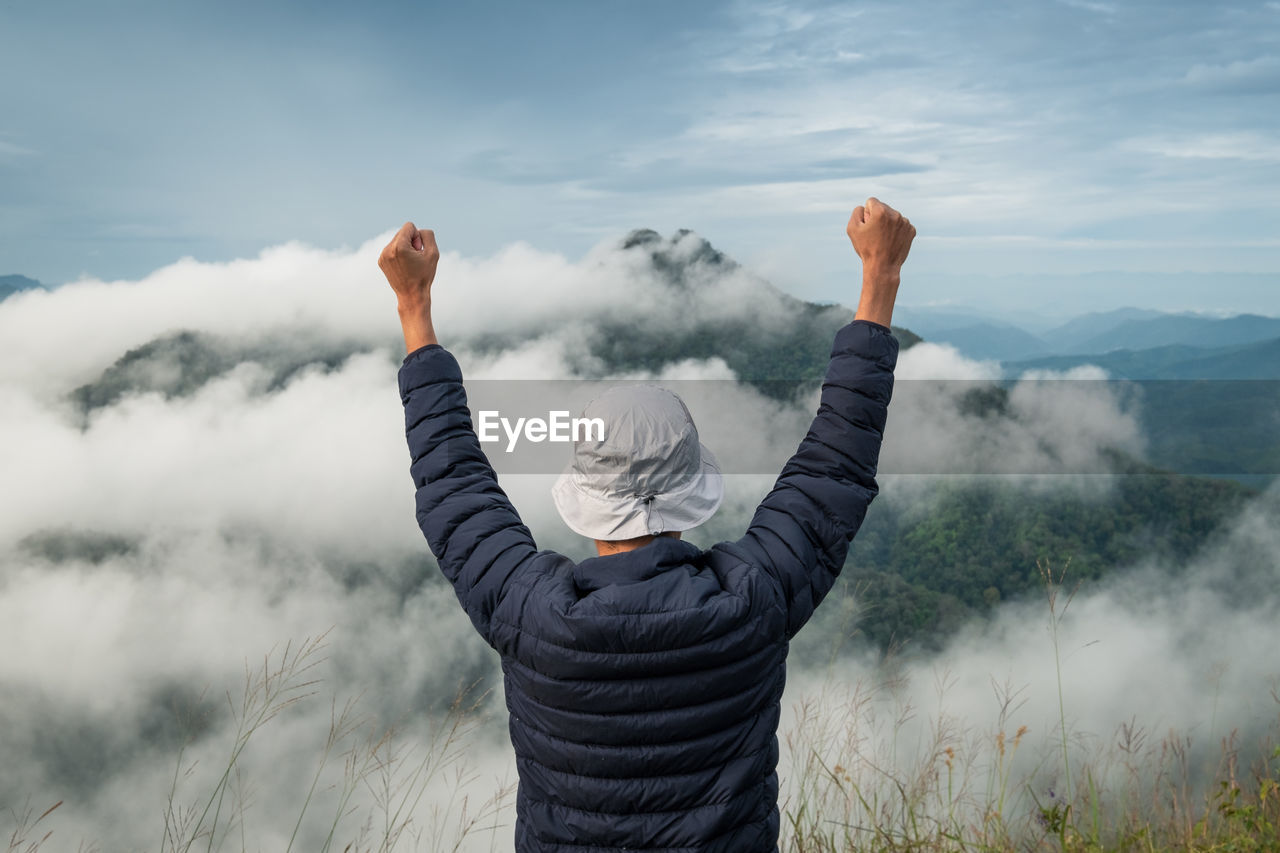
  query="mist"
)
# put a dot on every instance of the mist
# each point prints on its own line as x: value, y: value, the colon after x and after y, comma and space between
x: 206, y: 467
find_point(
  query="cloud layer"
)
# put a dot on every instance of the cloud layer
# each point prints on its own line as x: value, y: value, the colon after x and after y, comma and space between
x: 207, y: 464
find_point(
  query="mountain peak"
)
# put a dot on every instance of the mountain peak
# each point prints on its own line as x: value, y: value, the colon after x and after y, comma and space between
x: 11, y: 284
x: 641, y: 237
x: 675, y: 256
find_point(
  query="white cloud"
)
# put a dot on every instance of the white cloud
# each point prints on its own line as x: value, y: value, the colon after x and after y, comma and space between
x: 1246, y: 146
x: 1262, y: 72
x: 12, y: 149
x: 1051, y: 424
x: 152, y: 543
x: 1089, y: 6
x: 783, y: 36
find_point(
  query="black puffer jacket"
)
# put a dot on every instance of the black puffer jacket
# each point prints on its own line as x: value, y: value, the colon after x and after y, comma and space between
x: 645, y: 687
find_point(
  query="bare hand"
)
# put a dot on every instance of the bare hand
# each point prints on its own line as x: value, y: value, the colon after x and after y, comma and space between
x: 881, y: 236
x: 409, y: 263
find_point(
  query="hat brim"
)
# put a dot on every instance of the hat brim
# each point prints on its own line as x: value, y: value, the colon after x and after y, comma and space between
x: 592, y: 513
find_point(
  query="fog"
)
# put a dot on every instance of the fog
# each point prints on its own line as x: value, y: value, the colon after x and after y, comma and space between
x: 1149, y: 666
x: 207, y: 466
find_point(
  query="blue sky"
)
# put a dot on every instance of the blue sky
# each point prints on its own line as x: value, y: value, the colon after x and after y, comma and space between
x: 1056, y: 155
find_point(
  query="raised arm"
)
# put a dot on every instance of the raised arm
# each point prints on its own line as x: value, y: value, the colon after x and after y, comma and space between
x: 409, y: 262
x: 470, y: 525
x: 800, y: 533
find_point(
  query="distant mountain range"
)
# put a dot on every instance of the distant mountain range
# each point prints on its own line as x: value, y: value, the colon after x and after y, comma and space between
x: 1177, y: 329
x: 1070, y: 337
x: 11, y: 284
x: 1259, y: 360
x: 1129, y: 343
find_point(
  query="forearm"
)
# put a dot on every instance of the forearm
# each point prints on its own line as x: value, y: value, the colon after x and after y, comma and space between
x: 415, y: 321
x: 879, y: 293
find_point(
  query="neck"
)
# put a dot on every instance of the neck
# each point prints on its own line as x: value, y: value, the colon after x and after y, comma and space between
x: 618, y: 546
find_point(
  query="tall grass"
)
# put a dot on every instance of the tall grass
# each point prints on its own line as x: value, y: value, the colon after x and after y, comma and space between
x: 205, y: 812
x: 966, y: 789
x: 975, y: 790
x: 860, y: 776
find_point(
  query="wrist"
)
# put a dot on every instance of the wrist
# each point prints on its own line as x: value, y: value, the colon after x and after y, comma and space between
x: 881, y: 277
x: 412, y: 305
x: 415, y: 320
x: 418, y: 330
x: 879, y: 292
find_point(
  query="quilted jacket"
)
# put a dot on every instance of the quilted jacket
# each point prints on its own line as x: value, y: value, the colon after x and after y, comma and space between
x: 644, y: 688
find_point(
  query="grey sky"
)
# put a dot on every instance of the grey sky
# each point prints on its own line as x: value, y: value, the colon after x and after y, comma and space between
x: 1055, y: 137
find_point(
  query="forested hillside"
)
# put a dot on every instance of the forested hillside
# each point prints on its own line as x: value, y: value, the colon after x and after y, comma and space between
x: 914, y: 580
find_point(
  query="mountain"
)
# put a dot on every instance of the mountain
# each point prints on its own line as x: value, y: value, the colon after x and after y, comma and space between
x: 915, y: 579
x: 1204, y: 410
x: 1259, y: 360
x: 1071, y: 335
x: 1187, y: 329
x: 792, y: 347
x: 986, y: 341
x: 974, y: 335
x: 11, y: 284
x: 1164, y: 339
x: 180, y: 363
x: 772, y: 343
x: 929, y: 320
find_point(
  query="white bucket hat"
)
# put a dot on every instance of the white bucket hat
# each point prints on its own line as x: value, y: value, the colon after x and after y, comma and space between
x: 649, y: 475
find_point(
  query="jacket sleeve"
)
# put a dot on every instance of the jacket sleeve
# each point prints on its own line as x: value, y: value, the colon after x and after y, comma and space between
x: 470, y: 525
x: 801, y: 531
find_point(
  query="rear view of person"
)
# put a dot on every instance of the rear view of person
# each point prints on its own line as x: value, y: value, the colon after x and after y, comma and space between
x: 644, y: 685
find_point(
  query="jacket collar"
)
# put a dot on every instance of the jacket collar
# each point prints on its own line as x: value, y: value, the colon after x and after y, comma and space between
x: 640, y: 564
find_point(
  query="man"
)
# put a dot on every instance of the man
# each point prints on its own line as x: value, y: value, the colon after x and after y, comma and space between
x: 644, y: 685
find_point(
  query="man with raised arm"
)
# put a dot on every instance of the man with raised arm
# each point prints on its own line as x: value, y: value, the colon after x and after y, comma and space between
x: 644, y: 685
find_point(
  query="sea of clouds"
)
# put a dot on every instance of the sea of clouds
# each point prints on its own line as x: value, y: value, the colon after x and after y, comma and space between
x: 161, y: 534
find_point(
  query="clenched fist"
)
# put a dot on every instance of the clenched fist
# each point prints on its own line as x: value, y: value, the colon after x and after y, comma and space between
x: 880, y: 235
x: 409, y: 263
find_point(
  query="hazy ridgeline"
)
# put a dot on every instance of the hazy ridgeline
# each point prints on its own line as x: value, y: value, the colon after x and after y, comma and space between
x: 207, y: 465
